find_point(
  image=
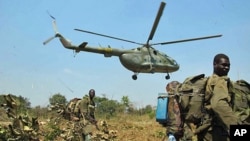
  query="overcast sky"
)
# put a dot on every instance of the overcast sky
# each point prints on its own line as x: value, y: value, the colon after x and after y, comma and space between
x: 32, y: 70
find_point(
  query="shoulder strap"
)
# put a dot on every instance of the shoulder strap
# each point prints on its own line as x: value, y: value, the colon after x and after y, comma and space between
x: 197, y: 77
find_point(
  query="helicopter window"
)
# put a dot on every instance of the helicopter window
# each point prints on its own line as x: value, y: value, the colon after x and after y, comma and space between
x: 155, y: 52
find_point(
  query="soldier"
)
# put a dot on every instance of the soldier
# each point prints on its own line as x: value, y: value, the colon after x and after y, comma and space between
x: 87, y: 110
x: 174, y: 117
x: 219, y: 101
x: 87, y: 106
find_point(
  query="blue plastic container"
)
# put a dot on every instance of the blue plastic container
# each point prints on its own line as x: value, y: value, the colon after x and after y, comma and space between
x: 162, y: 108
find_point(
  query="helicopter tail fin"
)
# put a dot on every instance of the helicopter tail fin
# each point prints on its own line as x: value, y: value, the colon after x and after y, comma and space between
x: 83, y: 45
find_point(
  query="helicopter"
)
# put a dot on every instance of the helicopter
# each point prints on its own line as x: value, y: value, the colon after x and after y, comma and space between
x: 143, y: 59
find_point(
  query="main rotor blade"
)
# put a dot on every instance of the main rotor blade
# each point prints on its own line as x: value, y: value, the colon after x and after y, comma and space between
x: 187, y: 40
x: 157, y: 19
x: 108, y: 36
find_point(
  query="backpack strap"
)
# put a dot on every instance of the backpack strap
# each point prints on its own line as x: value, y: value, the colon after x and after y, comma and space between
x: 197, y: 77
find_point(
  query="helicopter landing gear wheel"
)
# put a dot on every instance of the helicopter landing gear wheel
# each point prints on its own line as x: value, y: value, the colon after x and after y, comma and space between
x: 134, y: 77
x: 167, y: 76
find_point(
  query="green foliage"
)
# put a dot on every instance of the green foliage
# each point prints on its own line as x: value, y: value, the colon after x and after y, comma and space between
x: 160, y: 134
x: 57, y: 98
x: 52, y: 135
x: 151, y: 114
x: 23, y: 103
x: 2, y: 99
x: 148, y: 109
x: 38, y: 111
x: 125, y: 101
x: 107, y: 107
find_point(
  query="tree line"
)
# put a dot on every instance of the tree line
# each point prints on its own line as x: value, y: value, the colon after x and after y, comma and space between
x: 105, y: 107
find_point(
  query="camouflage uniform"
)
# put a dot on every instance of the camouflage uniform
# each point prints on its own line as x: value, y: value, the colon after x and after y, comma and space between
x: 219, y: 106
x: 175, y: 126
x: 87, y: 109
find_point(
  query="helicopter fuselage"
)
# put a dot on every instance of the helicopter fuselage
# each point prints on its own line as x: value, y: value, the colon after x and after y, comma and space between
x: 139, y: 60
x: 148, y: 60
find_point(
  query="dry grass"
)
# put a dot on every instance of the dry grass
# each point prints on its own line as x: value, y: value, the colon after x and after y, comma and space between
x: 137, y: 128
x: 131, y: 128
x: 128, y: 127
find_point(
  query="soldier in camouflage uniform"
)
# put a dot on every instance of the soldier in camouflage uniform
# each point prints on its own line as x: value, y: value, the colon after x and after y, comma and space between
x: 218, y: 102
x: 87, y: 111
x: 173, y: 127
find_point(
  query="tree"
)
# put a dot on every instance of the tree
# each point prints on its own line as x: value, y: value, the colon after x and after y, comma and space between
x: 106, y: 107
x: 24, y: 103
x: 125, y: 101
x: 57, y: 98
x: 147, y: 109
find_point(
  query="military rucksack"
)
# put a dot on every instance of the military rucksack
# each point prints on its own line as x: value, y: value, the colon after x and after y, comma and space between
x: 185, y: 104
x: 241, y: 100
x: 192, y: 98
x: 73, y: 106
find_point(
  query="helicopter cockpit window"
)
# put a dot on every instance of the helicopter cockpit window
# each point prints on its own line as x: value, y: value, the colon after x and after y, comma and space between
x: 155, y: 52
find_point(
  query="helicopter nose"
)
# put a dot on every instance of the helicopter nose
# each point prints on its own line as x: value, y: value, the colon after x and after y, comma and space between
x: 174, y: 66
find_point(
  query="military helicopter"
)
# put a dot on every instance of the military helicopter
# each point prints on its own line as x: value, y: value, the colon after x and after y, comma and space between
x: 143, y: 59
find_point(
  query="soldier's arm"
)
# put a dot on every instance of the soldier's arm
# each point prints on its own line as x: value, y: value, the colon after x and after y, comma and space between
x: 220, y: 103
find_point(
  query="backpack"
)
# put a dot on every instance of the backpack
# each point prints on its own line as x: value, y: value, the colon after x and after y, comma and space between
x: 175, y: 120
x: 241, y: 100
x: 192, y: 98
x: 168, y: 112
x: 73, y: 106
x: 185, y: 104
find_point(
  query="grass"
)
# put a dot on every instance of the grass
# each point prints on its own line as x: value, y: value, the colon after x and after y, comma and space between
x: 129, y: 127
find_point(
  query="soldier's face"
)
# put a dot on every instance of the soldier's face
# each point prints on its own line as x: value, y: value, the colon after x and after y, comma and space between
x: 91, y: 95
x: 222, y: 67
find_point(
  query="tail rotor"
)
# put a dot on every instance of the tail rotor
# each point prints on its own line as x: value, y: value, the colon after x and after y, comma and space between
x: 55, y: 30
x: 48, y: 40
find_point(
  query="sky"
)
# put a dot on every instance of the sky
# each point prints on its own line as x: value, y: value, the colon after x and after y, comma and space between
x: 34, y: 71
